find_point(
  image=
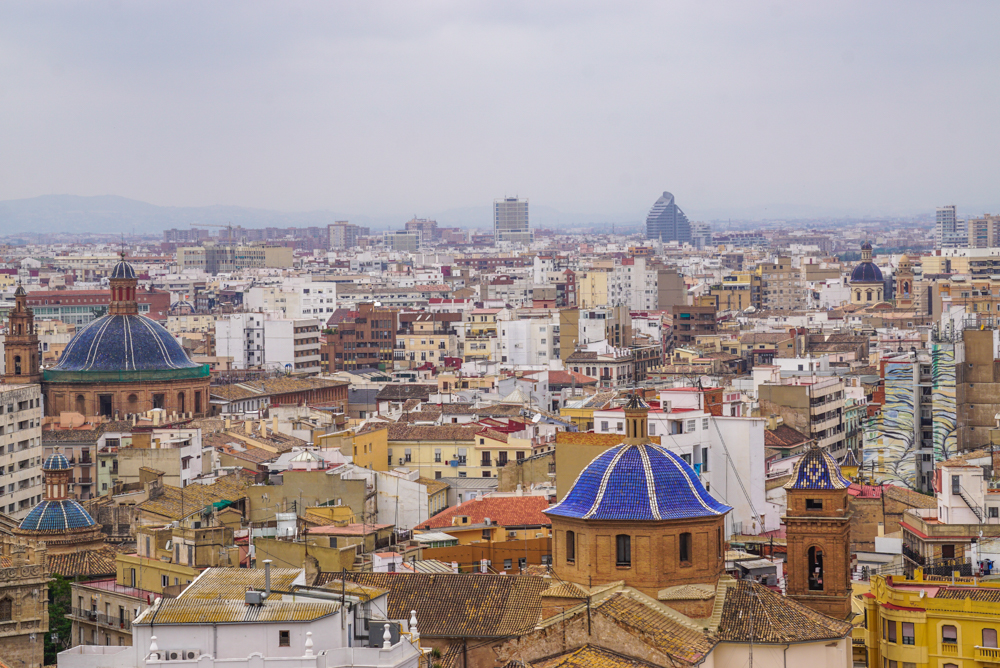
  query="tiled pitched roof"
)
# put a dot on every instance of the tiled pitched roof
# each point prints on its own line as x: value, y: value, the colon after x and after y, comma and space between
x: 87, y: 563
x: 590, y: 656
x: 496, y: 410
x: 505, y: 511
x: 494, y: 434
x: 656, y: 629
x: 461, y: 605
x: 232, y: 583
x: 568, y: 377
x: 784, y: 436
x: 776, y: 619
x: 592, y: 438
x: 404, y: 391
x: 176, y: 503
x: 445, y: 432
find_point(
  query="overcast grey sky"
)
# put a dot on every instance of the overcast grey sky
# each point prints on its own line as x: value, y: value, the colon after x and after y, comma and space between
x: 418, y: 107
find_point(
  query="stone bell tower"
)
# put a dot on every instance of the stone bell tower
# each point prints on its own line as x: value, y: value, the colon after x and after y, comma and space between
x: 20, y: 347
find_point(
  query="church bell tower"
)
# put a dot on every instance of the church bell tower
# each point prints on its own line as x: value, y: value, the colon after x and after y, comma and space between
x: 20, y: 347
x: 818, y: 531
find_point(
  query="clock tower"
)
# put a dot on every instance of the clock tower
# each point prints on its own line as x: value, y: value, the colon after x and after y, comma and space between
x: 21, y: 343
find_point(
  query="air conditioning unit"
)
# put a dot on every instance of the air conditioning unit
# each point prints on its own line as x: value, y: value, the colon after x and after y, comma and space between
x: 182, y: 654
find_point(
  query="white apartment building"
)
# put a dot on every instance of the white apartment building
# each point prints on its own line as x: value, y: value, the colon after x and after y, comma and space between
x: 632, y: 284
x: 297, y: 297
x: 207, y: 626
x: 266, y: 340
x: 20, y: 449
x: 530, y: 342
x: 724, y: 451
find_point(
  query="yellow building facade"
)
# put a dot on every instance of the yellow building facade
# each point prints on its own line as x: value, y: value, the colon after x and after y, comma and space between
x: 931, y: 622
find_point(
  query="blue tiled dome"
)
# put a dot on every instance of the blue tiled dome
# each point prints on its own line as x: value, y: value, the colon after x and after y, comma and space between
x: 638, y: 482
x: 57, y: 516
x: 866, y: 272
x: 122, y: 343
x: 817, y: 470
x: 123, y: 270
x: 55, y: 462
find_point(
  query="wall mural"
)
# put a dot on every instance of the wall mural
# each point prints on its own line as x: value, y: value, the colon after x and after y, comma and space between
x: 890, y: 448
x: 945, y: 412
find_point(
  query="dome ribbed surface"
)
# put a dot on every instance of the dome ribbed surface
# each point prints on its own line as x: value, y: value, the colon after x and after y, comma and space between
x: 817, y: 470
x: 57, y: 516
x: 638, y: 482
x: 56, y: 462
x: 866, y: 272
x: 123, y: 270
x: 124, y: 343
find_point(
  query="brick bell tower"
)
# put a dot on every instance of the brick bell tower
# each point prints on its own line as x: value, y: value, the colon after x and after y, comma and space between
x: 20, y: 347
x: 818, y: 531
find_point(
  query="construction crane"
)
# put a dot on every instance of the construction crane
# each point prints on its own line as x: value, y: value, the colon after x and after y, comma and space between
x: 228, y: 226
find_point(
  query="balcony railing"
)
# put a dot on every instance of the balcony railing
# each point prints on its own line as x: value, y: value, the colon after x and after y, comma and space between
x: 912, y: 555
x: 987, y: 654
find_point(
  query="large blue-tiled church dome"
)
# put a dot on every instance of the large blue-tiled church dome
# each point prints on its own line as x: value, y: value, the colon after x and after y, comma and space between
x: 638, y: 482
x: 124, y: 345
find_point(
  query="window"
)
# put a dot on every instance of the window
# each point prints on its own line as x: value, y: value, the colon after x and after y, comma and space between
x: 604, y: 425
x: 508, y: 563
x: 486, y: 534
x: 284, y: 639
x: 164, y: 581
x: 814, y: 504
x: 993, y: 511
x: 570, y: 547
x: 947, y: 551
x: 956, y: 484
x: 816, y: 569
x: 437, y: 455
x: 907, y: 632
x: 691, y: 426
x: 989, y: 638
x: 623, y: 550
x: 949, y: 634
x: 6, y: 609
x: 684, y: 551
x: 652, y: 429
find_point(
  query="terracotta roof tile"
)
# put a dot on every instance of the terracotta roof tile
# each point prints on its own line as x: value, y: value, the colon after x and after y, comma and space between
x: 87, y: 563
x: 505, y: 511
x: 590, y: 656
x: 461, y: 605
x: 784, y: 436
x: 776, y: 619
x: 656, y: 629
x: 445, y: 432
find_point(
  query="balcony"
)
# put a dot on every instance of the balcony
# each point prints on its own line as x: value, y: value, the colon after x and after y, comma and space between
x: 949, y: 649
x: 912, y: 555
x: 988, y: 654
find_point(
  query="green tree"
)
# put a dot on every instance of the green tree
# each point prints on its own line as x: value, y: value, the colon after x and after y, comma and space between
x: 60, y: 635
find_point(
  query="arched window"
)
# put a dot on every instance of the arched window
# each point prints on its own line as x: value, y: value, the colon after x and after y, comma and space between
x: 684, y: 551
x: 17, y: 365
x: 623, y: 550
x: 81, y: 404
x: 570, y: 547
x: 6, y: 609
x: 180, y: 403
x: 815, y: 568
x: 949, y: 635
x: 989, y: 637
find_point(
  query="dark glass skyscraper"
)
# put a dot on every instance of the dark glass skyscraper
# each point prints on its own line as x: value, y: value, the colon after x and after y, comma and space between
x: 667, y: 222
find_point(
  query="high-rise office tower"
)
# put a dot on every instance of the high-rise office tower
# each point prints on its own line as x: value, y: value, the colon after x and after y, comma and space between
x: 510, y: 221
x: 949, y: 231
x: 667, y: 222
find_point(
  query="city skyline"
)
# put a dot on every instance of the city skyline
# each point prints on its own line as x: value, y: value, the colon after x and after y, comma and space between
x: 790, y: 112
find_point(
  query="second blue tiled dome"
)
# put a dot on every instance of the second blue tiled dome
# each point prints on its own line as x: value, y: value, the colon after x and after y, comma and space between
x: 638, y: 482
x: 57, y: 516
x: 56, y: 462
